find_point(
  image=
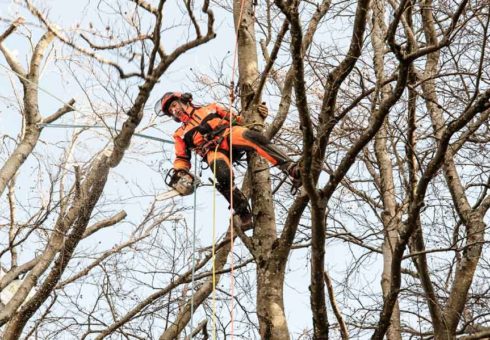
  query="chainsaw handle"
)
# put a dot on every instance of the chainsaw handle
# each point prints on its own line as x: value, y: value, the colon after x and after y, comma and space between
x: 169, y: 176
x: 174, y: 174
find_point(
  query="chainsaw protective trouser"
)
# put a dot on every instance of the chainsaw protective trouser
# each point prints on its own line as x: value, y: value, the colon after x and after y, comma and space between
x: 250, y: 140
x: 242, y: 139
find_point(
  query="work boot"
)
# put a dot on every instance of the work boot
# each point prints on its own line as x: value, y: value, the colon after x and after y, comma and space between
x: 246, y: 222
x: 240, y: 205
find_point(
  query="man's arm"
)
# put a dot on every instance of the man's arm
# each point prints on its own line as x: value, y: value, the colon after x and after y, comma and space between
x: 222, y: 112
x: 225, y: 114
x: 182, y: 154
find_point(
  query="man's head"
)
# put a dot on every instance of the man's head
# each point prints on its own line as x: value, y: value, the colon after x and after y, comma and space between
x: 176, y: 105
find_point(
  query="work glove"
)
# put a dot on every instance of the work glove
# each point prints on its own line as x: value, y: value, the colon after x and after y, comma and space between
x: 262, y: 110
x: 237, y: 120
x: 179, y: 173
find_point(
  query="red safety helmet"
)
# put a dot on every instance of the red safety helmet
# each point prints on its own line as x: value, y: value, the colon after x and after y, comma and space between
x: 162, y: 105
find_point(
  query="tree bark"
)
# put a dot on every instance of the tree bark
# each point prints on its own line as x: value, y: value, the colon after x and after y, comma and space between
x: 63, y: 245
x: 70, y: 226
x: 31, y: 115
x: 390, y: 218
x: 472, y: 220
x: 270, y: 304
x: 200, y: 295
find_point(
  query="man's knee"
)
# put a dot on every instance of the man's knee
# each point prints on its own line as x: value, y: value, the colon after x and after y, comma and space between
x: 255, y: 137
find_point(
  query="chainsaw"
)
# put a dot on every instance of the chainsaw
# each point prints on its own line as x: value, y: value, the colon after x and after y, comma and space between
x: 182, y: 182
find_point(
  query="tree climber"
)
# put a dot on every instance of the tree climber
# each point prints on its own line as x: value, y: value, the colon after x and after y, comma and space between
x: 206, y: 130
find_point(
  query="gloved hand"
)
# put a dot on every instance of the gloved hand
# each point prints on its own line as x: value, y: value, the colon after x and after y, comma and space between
x: 179, y: 173
x: 263, y: 110
x: 237, y: 120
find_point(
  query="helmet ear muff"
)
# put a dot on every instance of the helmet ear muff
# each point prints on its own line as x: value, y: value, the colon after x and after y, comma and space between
x: 186, y: 98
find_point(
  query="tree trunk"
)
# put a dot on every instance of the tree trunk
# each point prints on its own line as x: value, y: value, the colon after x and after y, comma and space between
x: 391, y: 222
x: 472, y: 220
x: 270, y: 278
x: 270, y: 303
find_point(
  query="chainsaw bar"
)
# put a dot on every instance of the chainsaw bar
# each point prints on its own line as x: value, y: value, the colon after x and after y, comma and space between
x: 168, y: 195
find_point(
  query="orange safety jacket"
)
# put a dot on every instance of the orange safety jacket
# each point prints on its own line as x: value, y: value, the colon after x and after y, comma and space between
x: 194, y: 134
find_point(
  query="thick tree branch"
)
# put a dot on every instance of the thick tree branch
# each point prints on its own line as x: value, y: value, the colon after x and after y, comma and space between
x: 11, y: 29
x: 31, y: 131
x: 415, y: 206
x: 287, y: 88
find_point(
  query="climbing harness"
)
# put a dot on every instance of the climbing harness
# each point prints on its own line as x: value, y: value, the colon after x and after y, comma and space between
x: 213, y: 140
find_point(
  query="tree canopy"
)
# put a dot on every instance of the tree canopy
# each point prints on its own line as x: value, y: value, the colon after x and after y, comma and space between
x: 385, y: 104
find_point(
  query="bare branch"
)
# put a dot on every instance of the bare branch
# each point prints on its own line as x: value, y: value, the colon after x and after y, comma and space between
x: 67, y: 107
x: 52, y: 29
x: 38, y: 55
x: 13, y: 63
x: 201, y: 327
x: 148, y: 7
x: 271, y: 60
x: 120, y: 44
x: 331, y: 294
x: 105, y: 223
x: 11, y: 29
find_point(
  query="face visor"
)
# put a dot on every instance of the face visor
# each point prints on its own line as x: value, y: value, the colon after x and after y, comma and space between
x: 163, y: 104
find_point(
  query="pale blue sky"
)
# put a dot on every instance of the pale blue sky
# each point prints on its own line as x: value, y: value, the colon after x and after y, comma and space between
x: 126, y: 179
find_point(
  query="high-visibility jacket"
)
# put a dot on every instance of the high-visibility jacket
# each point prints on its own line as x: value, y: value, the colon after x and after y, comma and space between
x: 192, y: 135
